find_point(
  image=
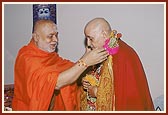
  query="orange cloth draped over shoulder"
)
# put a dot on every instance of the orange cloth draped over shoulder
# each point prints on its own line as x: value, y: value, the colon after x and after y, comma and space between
x: 36, y: 74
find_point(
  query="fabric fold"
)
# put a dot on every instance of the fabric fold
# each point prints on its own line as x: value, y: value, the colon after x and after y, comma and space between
x: 36, y: 74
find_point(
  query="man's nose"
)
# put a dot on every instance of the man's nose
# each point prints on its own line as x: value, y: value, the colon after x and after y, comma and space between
x: 55, y: 38
x: 89, y: 42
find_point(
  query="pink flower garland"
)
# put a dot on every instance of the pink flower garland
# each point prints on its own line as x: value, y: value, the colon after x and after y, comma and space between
x: 111, y: 44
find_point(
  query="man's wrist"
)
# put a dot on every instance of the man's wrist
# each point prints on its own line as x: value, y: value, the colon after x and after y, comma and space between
x: 81, y: 62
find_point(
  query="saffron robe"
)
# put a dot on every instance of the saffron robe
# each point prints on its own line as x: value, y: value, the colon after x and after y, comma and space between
x: 128, y: 80
x: 36, y: 74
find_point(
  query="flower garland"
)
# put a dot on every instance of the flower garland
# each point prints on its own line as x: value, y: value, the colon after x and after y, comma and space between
x: 93, y: 77
x: 111, y: 44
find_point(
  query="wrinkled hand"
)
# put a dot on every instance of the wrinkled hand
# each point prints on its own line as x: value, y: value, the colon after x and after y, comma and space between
x: 95, y: 56
x: 92, y: 90
x: 85, y: 84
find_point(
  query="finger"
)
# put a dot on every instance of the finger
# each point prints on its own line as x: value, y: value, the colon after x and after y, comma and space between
x: 103, y: 59
x: 84, y: 80
x: 101, y: 50
x: 102, y: 56
x: 86, y: 85
x: 103, y: 53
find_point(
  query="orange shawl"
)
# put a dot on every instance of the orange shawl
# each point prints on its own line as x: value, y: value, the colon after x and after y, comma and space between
x: 36, y: 74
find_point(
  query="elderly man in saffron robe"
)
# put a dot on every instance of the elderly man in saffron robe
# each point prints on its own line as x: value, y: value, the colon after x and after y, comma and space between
x: 43, y: 80
x: 119, y: 83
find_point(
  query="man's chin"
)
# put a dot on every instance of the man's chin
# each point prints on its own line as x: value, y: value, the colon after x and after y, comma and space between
x: 50, y: 50
x: 53, y: 50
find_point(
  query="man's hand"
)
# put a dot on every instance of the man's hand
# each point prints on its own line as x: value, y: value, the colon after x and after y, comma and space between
x: 92, y: 91
x: 85, y: 84
x: 95, y: 56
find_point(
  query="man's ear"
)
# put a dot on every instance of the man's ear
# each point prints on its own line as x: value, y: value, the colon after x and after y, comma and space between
x: 35, y: 37
x: 105, y: 35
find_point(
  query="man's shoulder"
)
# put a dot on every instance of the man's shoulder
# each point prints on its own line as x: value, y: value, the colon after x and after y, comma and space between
x: 26, y: 53
x: 125, y: 47
x: 24, y: 50
x: 126, y: 51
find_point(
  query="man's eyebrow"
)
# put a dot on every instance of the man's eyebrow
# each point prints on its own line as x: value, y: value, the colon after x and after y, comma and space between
x: 87, y: 36
x: 55, y: 33
x: 90, y: 37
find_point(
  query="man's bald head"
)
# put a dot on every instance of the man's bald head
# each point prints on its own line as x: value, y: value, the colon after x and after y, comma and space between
x: 97, y: 31
x: 42, y: 24
x: 98, y: 24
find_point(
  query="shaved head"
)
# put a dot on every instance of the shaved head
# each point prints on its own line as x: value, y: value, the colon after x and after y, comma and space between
x: 41, y: 25
x: 98, y: 24
x: 96, y: 32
